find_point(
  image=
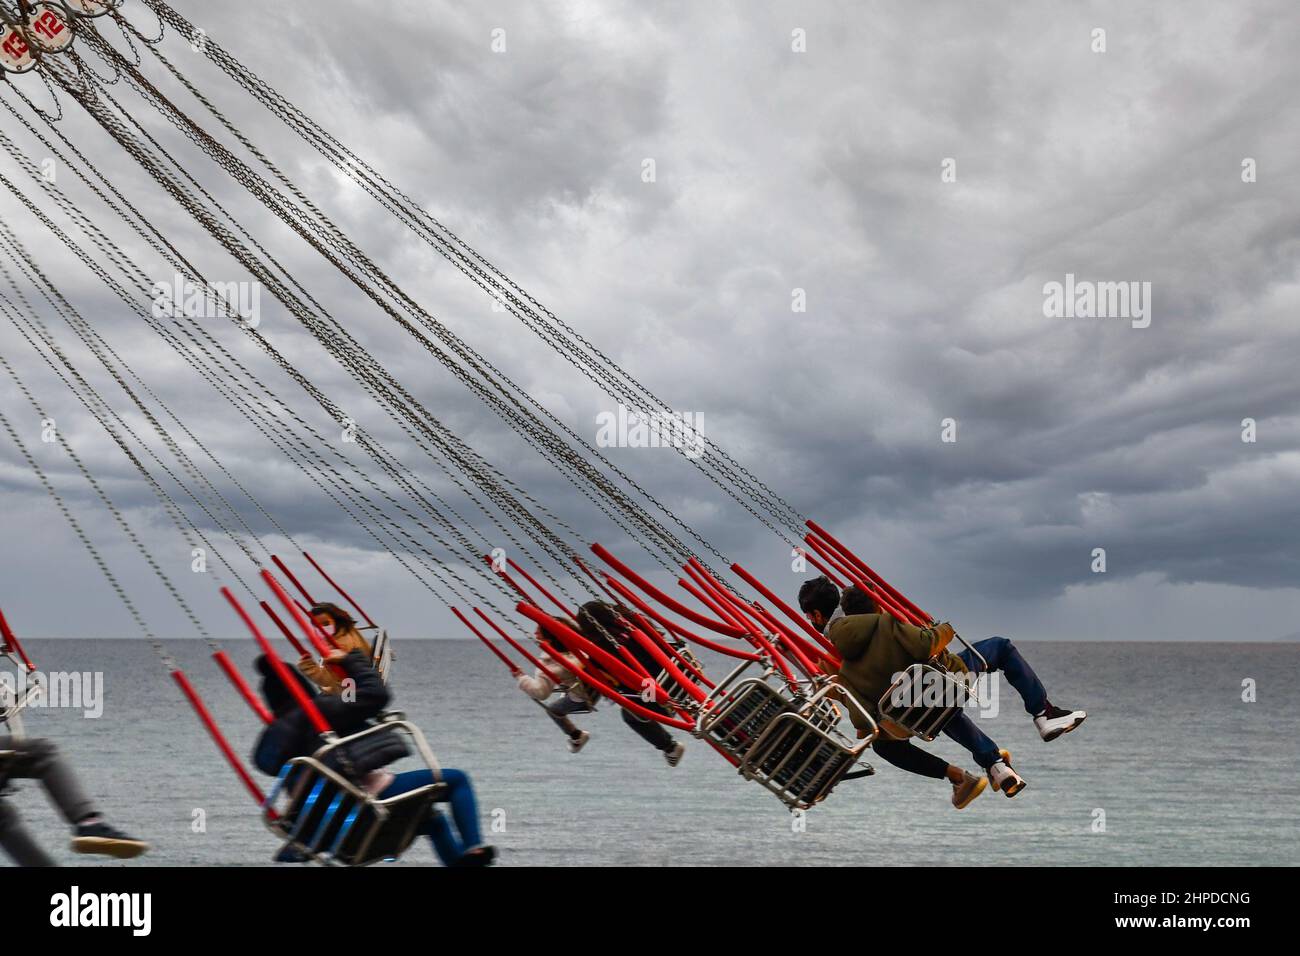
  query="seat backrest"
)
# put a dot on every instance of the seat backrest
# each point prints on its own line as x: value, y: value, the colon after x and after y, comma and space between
x: 385, y: 828
x: 798, y: 761
x: 742, y: 715
x: 923, y: 699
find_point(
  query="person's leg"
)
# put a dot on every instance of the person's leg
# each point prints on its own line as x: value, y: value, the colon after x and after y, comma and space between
x: 651, y: 731
x: 450, y: 844
x: 17, y: 842
x: 963, y: 730
x: 436, y: 827
x: 464, y: 807
x: 905, y: 756
x: 560, y: 710
x: 445, y: 844
x: 1002, y: 655
x: 35, y: 758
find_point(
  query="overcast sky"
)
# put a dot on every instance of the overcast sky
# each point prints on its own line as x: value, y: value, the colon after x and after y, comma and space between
x: 776, y: 169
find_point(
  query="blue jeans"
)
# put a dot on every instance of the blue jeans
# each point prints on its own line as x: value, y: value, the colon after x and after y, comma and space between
x: 1001, y: 655
x: 449, y: 844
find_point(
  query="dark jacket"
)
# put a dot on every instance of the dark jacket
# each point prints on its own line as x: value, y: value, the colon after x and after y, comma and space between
x: 291, y: 734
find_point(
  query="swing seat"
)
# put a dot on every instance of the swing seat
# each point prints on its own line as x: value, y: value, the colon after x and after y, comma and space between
x: 741, y: 716
x: 673, y: 688
x: 923, y: 699
x: 323, y: 816
x: 788, y: 745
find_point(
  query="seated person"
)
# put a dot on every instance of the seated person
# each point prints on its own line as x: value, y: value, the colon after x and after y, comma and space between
x: 291, y: 735
x: 341, y: 629
x: 876, y: 647
x: 577, y: 697
x: 609, y: 627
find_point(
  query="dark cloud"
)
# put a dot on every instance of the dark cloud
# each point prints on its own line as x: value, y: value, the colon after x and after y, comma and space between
x: 776, y: 171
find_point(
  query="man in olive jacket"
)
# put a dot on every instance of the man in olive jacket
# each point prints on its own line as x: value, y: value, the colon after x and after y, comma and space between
x: 876, y: 647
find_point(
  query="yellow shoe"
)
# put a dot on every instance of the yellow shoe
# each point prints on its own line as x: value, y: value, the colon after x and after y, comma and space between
x: 967, y: 790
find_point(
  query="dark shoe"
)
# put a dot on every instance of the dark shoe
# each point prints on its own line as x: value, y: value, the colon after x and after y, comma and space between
x: 478, y: 856
x: 102, y: 839
x: 674, y: 756
x: 290, y: 854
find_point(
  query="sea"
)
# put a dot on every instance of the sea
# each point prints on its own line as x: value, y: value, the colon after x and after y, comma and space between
x: 1189, y: 756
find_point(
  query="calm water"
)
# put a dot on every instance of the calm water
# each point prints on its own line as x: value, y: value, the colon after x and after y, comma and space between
x: 1185, y: 772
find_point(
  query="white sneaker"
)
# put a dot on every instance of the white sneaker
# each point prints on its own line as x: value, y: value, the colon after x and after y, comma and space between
x: 578, y: 742
x: 674, y: 756
x: 1054, y: 721
x: 1003, y: 778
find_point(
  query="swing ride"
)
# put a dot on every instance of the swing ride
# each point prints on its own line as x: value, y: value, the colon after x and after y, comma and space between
x: 441, y: 509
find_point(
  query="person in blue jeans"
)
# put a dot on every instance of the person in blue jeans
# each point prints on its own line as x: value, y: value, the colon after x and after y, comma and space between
x: 818, y: 599
x: 457, y: 842
x: 1000, y: 654
x: 458, y: 845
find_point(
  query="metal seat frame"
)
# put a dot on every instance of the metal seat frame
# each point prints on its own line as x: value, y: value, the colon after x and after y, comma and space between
x: 365, y: 818
x: 12, y: 705
x: 928, y: 721
x: 789, y: 744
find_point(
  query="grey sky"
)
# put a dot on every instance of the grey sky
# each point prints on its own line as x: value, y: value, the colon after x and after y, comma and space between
x: 779, y: 170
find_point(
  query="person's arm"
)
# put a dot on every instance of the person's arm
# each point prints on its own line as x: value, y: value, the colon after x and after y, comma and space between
x: 321, y: 676
x: 922, y: 643
x: 941, y: 636
x: 538, y: 687
x: 952, y: 662
x: 371, y: 696
x: 353, y: 640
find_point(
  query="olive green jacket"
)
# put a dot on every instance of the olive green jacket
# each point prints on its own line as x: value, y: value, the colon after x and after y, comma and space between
x: 876, y: 647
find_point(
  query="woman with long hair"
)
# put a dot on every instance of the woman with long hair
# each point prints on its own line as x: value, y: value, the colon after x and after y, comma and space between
x: 341, y: 629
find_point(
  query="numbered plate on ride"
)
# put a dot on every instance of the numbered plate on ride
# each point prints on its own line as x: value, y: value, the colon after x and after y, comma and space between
x: 15, y: 54
x: 92, y: 8
x: 48, y: 28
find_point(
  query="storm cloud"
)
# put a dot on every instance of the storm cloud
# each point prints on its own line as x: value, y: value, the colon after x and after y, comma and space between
x: 776, y: 170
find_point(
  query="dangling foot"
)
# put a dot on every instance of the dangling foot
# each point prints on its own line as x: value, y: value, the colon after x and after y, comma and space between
x: 674, y: 756
x: 1004, y: 778
x: 1053, y: 722
x: 965, y: 790
x: 478, y: 856
x: 290, y: 854
x: 96, y: 836
x: 578, y: 742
